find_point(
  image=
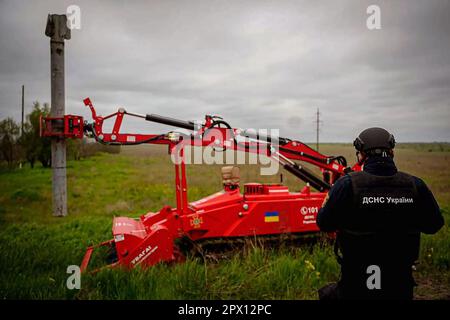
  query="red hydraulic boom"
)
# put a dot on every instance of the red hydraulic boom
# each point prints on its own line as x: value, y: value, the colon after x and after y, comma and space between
x: 260, y: 210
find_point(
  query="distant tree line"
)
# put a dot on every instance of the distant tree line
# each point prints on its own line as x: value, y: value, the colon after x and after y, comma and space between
x: 19, y: 147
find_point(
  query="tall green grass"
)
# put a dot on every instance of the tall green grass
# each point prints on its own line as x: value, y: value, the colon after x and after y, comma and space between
x: 36, y: 248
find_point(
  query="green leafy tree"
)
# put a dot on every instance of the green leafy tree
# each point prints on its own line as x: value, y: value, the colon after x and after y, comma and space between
x: 74, y: 148
x: 36, y: 148
x: 9, y: 135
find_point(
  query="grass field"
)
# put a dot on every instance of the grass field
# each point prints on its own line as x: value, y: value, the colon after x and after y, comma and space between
x: 36, y: 248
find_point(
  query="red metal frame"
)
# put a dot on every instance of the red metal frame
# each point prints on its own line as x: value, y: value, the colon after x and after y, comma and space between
x: 68, y: 126
x: 261, y: 209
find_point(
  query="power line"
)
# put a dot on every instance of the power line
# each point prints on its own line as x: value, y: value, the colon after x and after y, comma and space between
x: 318, y: 121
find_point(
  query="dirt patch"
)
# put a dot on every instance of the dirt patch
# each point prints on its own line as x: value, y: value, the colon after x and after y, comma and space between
x: 432, y: 287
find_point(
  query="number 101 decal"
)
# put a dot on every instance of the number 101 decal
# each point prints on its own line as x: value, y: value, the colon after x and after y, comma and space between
x: 309, y: 210
x: 309, y: 214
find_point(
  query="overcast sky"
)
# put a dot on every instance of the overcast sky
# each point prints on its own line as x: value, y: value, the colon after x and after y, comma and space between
x: 259, y: 64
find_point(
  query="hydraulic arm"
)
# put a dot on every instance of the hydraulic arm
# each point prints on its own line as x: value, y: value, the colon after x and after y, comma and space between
x: 261, y: 209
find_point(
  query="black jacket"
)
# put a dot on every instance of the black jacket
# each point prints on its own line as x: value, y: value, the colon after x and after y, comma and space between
x: 340, y: 197
x: 396, y: 252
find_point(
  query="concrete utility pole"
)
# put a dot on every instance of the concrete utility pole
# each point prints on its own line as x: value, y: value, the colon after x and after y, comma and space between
x: 58, y: 31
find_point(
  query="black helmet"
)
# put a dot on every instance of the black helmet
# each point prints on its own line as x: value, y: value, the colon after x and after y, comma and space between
x: 373, y: 139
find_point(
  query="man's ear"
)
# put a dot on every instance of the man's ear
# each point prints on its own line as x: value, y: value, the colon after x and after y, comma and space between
x: 391, y: 153
x: 361, y: 158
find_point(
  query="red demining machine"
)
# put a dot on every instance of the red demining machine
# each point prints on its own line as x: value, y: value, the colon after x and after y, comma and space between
x: 260, y: 210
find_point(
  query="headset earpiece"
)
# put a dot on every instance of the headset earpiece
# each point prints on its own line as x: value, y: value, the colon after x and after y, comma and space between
x: 392, y: 141
x: 358, y: 144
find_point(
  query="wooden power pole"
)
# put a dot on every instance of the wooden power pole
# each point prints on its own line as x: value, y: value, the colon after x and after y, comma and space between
x: 23, y: 108
x: 58, y: 31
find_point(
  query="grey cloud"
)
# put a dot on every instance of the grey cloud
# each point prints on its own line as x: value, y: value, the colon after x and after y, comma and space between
x: 266, y: 64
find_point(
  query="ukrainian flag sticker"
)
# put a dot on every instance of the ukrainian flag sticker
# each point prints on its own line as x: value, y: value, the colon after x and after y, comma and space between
x: 272, y: 216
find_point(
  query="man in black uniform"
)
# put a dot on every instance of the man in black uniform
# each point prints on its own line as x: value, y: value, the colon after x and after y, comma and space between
x: 378, y: 215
